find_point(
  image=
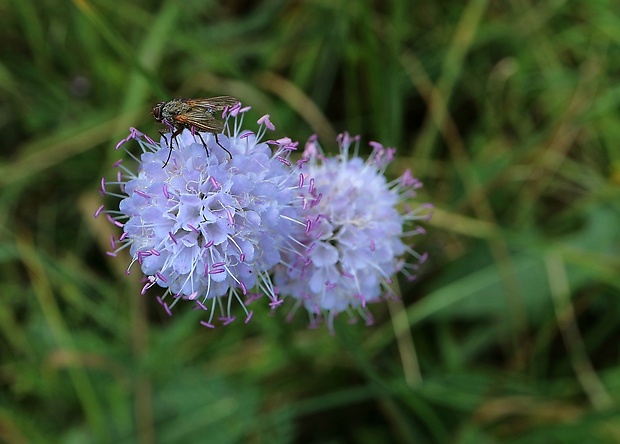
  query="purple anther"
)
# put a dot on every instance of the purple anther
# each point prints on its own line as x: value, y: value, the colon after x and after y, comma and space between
x: 301, y: 161
x: 407, y: 178
x: 193, y: 296
x: 308, y: 226
x: 217, y: 271
x: 98, y: 212
x: 161, y: 277
x: 276, y: 303
x: 376, y: 146
x: 110, y: 253
x: 242, y: 257
x: 146, y: 287
x: 154, y: 252
x: 282, y: 141
x: 113, y: 242
x: 126, y: 139
x: 142, y: 193
x: 201, y: 305
x: 311, y: 187
x: 123, y: 236
x: 284, y: 161
x: 193, y: 228
x: 149, y: 140
x: 165, y: 191
x: 167, y: 309
x: 206, y: 324
x: 372, y: 245
x: 209, y: 244
x: 244, y: 290
x: 301, y: 180
x: 246, y: 135
x: 249, y: 317
x: 423, y: 258
x: 214, y: 183
x: 316, y: 201
x: 172, y: 237
x: 113, y: 221
x: 117, y: 163
x: 226, y: 319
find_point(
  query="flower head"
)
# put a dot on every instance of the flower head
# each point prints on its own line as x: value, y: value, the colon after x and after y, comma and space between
x: 353, y: 242
x: 205, y: 226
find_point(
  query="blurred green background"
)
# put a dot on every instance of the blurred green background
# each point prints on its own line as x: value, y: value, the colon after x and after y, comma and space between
x: 507, y: 110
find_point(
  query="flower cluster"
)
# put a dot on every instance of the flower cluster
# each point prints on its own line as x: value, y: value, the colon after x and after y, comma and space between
x: 204, y: 226
x: 213, y: 228
x: 353, y: 243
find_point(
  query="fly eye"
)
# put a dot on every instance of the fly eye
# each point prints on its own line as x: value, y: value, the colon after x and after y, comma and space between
x: 157, y: 111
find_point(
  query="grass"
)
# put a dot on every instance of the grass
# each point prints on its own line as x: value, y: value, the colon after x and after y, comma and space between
x: 508, y: 111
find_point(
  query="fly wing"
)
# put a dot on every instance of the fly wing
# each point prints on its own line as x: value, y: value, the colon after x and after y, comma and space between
x: 212, y: 104
x: 202, y: 121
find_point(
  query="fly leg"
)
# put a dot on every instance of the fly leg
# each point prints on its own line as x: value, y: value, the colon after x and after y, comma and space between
x: 172, y: 136
x: 218, y: 142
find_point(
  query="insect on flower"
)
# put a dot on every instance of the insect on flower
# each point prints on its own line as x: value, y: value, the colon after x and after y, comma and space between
x: 193, y: 114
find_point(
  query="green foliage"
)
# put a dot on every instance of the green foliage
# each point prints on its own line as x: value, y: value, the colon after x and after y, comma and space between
x: 508, y: 112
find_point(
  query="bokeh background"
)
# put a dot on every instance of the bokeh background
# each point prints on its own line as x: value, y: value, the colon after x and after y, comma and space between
x: 509, y: 111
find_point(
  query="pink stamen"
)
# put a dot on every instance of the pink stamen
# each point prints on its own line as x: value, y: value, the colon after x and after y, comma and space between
x: 249, y: 317
x: 142, y: 193
x: 226, y: 320
x: 98, y: 212
x: 114, y: 221
x: 265, y: 121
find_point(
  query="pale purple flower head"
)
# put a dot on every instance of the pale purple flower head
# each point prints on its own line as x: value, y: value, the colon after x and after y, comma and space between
x: 353, y: 241
x: 206, y: 227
